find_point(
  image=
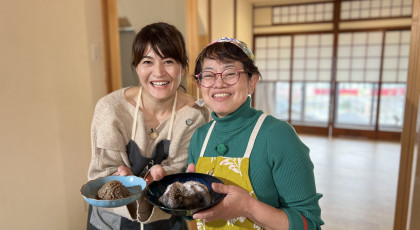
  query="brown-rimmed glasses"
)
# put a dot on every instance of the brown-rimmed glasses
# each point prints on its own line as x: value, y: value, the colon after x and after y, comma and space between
x: 229, y: 76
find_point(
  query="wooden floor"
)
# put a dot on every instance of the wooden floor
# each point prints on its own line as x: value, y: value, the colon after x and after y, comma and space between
x: 358, y: 179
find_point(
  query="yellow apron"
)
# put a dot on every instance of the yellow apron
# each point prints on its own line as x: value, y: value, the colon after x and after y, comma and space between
x: 232, y: 171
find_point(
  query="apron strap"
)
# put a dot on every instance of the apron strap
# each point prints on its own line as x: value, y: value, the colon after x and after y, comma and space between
x: 203, y: 148
x: 251, y: 138
x: 133, y: 131
x: 172, y: 117
x: 254, y: 135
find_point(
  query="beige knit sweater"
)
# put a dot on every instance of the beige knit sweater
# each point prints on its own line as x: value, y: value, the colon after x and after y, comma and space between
x: 111, y: 131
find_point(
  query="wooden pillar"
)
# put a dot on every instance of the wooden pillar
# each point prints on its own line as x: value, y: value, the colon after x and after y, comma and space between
x: 192, y: 40
x: 408, y: 136
x: 111, y: 36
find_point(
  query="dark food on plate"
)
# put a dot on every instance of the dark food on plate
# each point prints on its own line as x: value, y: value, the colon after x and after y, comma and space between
x: 113, y: 190
x: 188, y: 195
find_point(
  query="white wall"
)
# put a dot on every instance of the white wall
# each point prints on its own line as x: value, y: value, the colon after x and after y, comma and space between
x: 49, y: 84
x: 222, y: 19
x: 144, y: 12
x: 244, y: 25
x: 203, y: 17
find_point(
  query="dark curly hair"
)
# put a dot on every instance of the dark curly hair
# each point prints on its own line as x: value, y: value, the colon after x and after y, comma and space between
x: 225, y: 52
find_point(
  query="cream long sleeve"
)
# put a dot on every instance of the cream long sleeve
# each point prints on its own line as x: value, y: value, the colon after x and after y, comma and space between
x: 111, y: 131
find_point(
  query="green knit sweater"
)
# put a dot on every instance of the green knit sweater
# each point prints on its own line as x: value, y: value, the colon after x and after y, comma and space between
x: 281, y: 171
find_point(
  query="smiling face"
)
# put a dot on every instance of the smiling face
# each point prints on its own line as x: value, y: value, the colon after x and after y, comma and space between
x: 160, y: 77
x: 225, y: 99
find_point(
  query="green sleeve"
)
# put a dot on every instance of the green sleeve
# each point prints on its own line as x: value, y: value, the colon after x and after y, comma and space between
x: 293, y: 167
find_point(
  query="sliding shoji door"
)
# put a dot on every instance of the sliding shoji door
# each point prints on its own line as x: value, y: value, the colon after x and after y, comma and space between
x: 371, y: 77
x: 296, y: 76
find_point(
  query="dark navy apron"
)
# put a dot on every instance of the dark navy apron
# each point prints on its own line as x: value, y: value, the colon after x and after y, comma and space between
x: 140, y: 166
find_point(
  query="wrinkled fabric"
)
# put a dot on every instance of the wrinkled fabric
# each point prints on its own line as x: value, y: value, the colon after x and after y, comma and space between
x: 111, y: 221
x: 141, y: 165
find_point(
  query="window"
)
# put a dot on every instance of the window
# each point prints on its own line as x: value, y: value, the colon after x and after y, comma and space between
x: 305, y: 60
x: 303, y: 13
x: 368, y: 9
x: 396, y: 53
x: 276, y: 98
x: 367, y: 63
x: 274, y: 57
x: 312, y: 57
x: 359, y: 56
x: 356, y: 105
x: 391, y: 113
x: 345, y: 80
x: 310, y: 103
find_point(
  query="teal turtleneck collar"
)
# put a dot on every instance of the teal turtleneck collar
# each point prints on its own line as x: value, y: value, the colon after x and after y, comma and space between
x: 237, y: 119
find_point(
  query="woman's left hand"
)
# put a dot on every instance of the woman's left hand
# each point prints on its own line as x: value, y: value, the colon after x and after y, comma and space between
x: 235, y: 204
x: 123, y: 171
x: 155, y: 173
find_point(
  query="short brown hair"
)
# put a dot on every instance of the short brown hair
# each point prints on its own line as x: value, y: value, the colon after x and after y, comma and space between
x: 164, y: 39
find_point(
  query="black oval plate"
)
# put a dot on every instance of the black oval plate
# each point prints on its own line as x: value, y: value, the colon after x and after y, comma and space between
x: 156, y: 189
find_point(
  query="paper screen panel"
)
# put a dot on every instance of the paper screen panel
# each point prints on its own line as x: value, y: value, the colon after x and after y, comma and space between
x: 303, y: 13
x: 272, y: 56
x: 366, y: 9
x: 396, y: 56
x: 359, y: 56
x: 312, y: 54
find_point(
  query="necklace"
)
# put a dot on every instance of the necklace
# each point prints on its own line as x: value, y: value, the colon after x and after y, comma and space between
x: 153, y: 134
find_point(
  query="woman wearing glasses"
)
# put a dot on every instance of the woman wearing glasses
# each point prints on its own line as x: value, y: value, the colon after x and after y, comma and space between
x: 267, y: 171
